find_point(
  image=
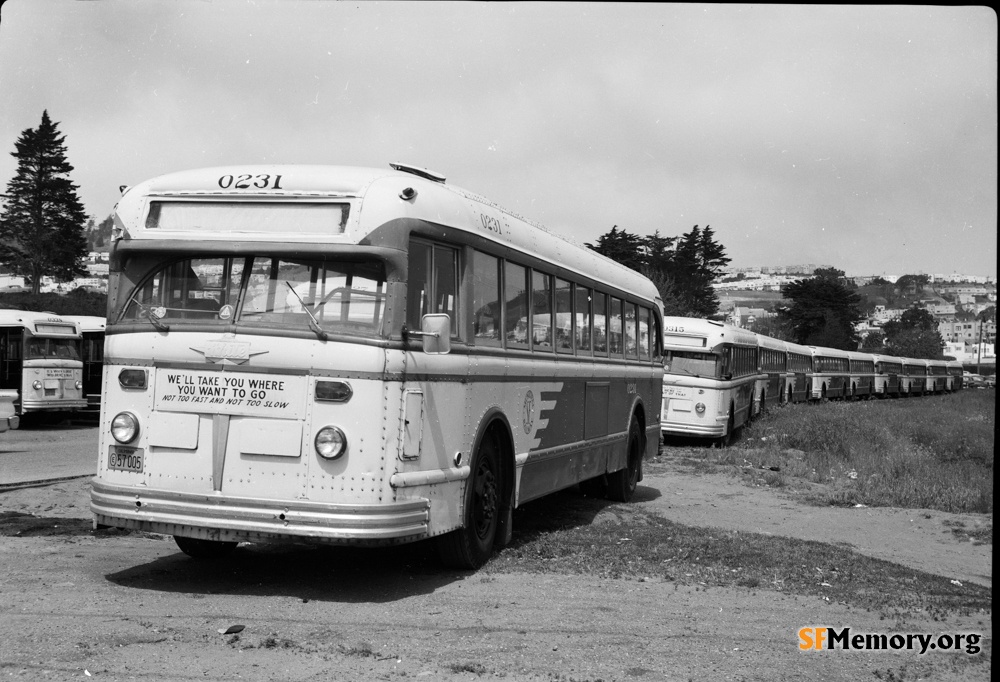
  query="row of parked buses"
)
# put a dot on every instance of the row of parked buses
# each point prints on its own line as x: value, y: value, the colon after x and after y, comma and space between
x: 53, y: 362
x: 718, y: 377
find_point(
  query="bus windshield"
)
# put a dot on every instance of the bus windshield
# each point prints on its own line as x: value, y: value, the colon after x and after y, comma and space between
x: 48, y: 349
x: 692, y: 363
x: 263, y: 291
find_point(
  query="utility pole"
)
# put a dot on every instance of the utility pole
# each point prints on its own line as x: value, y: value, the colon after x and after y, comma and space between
x: 979, y: 348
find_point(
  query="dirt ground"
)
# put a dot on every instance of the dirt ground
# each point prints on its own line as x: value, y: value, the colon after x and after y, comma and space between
x: 78, y: 605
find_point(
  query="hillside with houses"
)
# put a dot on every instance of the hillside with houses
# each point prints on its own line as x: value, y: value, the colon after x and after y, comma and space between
x: 750, y: 296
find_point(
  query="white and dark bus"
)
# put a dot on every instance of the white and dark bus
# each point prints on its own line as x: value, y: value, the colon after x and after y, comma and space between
x: 40, y: 359
x: 361, y: 356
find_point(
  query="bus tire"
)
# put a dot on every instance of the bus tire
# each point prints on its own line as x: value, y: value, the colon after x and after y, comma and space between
x: 204, y: 549
x: 622, y: 483
x: 726, y: 439
x: 470, y: 547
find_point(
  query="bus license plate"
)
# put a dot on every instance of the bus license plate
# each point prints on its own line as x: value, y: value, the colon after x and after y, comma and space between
x: 125, y: 459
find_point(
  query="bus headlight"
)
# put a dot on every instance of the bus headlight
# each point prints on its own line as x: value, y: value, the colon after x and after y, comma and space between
x: 36, y: 384
x: 700, y: 408
x: 125, y: 427
x: 331, y: 442
x: 78, y: 384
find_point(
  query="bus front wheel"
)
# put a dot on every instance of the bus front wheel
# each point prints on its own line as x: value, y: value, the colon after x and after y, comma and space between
x: 204, y: 549
x: 470, y: 546
x: 622, y: 483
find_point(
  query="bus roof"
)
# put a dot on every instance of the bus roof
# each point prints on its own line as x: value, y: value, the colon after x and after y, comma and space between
x: 375, y: 197
x: 693, y: 332
x: 37, y: 322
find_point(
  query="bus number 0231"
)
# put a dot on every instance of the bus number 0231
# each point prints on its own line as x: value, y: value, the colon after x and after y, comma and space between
x: 246, y: 181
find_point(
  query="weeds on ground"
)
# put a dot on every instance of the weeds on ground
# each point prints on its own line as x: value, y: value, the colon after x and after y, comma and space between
x: 557, y: 534
x: 929, y: 453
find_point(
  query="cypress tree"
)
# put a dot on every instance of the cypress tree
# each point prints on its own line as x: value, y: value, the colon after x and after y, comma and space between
x: 41, y: 226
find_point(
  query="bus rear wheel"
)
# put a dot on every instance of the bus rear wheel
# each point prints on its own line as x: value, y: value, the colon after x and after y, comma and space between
x: 469, y: 547
x: 204, y: 549
x: 622, y: 483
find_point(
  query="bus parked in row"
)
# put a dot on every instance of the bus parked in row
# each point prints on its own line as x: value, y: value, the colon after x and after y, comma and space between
x: 92, y: 356
x: 359, y: 356
x: 40, y: 359
x: 710, y: 380
x: 719, y: 377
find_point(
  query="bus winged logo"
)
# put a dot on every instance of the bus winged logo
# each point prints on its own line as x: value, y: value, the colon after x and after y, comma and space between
x: 227, y: 351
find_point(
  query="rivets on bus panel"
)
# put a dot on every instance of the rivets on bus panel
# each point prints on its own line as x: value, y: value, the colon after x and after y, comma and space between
x: 408, y: 194
x: 132, y: 378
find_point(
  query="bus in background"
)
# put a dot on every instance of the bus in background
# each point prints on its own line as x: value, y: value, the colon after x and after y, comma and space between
x: 360, y: 356
x: 862, y: 375
x: 955, y: 375
x: 889, y: 379
x: 92, y: 355
x: 40, y: 358
x: 800, y: 370
x: 711, y: 373
x: 937, y: 376
x: 831, y: 373
x: 914, y: 381
x: 773, y: 355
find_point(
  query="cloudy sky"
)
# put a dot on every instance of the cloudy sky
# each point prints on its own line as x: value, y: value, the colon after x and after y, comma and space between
x: 859, y: 137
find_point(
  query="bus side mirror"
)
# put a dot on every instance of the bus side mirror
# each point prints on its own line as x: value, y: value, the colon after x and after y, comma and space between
x: 436, y: 333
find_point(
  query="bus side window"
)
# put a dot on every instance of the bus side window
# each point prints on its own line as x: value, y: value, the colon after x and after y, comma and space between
x: 541, y: 310
x: 564, y: 316
x: 645, y: 337
x: 615, y: 328
x: 600, y: 324
x: 630, y: 318
x: 486, y: 320
x: 516, y: 309
x: 583, y: 324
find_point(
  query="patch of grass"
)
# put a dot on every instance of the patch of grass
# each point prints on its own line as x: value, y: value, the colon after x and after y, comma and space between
x: 929, y: 453
x: 560, y: 534
x: 361, y: 649
x: 474, y: 668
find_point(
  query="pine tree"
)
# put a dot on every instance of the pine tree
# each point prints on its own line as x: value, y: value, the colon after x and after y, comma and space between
x: 823, y: 311
x: 682, y: 268
x: 41, y: 227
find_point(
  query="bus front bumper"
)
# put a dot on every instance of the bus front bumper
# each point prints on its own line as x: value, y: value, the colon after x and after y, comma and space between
x: 242, y: 519
x: 704, y: 430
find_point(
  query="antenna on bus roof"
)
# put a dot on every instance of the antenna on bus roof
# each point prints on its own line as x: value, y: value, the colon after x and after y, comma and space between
x: 422, y: 172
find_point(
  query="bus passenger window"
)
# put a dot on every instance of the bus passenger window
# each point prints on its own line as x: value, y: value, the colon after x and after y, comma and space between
x: 583, y: 324
x: 515, y: 305
x: 616, y: 344
x: 486, y: 299
x: 564, y: 316
x: 631, y: 320
x: 541, y: 311
x: 600, y: 324
x: 644, y: 336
